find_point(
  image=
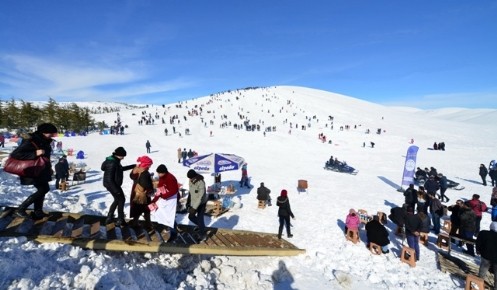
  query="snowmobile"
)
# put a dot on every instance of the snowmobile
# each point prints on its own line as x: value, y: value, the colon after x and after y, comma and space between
x: 340, y: 167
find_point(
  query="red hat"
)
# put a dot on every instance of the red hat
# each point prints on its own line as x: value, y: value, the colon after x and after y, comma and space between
x: 144, y: 161
x: 284, y: 193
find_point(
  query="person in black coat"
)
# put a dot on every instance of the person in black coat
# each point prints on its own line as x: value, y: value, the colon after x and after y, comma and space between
x: 263, y: 194
x: 443, y: 183
x: 35, y: 145
x: 431, y: 185
x: 420, y: 174
x: 483, y: 174
x: 411, y: 196
x: 425, y: 222
x: 398, y: 215
x: 284, y: 213
x: 61, y: 172
x: 455, y: 220
x: 485, y: 245
x: 467, y: 226
x: 413, y: 227
x: 112, y: 181
x: 376, y: 233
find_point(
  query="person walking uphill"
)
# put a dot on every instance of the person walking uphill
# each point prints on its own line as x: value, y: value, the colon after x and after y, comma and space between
x: 140, y: 192
x: 197, y: 201
x: 284, y: 213
x: 112, y: 181
x: 35, y: 145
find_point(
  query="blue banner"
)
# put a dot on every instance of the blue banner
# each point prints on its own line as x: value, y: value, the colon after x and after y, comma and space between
x: 410, y: 165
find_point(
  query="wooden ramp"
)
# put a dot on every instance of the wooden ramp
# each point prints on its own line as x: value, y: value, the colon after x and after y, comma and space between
x: 91, y: 232
x: 461, y: 268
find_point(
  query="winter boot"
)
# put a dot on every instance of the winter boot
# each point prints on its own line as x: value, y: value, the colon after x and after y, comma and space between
x: 38, y: 215
x: 121, y: 222
x: 109, y: 219
x: 21, y: 211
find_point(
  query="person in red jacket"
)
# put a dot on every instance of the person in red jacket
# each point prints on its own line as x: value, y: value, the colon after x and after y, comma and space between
x: 478, y: 208
x: 163, y: 205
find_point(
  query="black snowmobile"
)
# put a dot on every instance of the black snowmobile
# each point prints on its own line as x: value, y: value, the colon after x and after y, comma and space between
x: 340, y: 167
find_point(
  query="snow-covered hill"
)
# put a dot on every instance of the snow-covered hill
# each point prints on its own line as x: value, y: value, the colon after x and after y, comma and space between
x: 278, y: 158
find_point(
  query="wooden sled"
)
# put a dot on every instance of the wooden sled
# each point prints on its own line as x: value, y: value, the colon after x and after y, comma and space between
x: 91, y: 232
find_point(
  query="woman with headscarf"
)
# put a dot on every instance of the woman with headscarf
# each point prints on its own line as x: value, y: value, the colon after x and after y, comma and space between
x: 140, y: 191
x: 33, y: 146
x: 284, y: 213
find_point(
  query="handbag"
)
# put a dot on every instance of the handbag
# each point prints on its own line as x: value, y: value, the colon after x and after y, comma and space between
x: 26, y: 168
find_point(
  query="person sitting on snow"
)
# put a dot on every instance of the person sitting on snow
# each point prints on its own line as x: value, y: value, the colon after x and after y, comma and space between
x: 352, y: 221
x: 263, y: 194
x: 377, y: 234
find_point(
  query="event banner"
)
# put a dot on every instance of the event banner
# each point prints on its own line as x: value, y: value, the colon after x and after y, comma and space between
x: 410, y: 165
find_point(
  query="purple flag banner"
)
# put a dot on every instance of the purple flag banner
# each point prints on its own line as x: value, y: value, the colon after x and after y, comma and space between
x: 410, y: 165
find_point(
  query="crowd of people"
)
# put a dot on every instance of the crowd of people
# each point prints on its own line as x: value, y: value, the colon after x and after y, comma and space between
x: 421, y: 212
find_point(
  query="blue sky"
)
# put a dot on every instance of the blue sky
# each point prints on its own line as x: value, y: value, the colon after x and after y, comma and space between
x: 425, y: 54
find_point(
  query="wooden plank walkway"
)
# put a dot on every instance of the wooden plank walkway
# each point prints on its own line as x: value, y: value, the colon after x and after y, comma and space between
x: 459, y: 267
x: 91, y: 232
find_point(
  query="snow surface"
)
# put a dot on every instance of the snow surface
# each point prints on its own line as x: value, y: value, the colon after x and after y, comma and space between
x: 279, y: 159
